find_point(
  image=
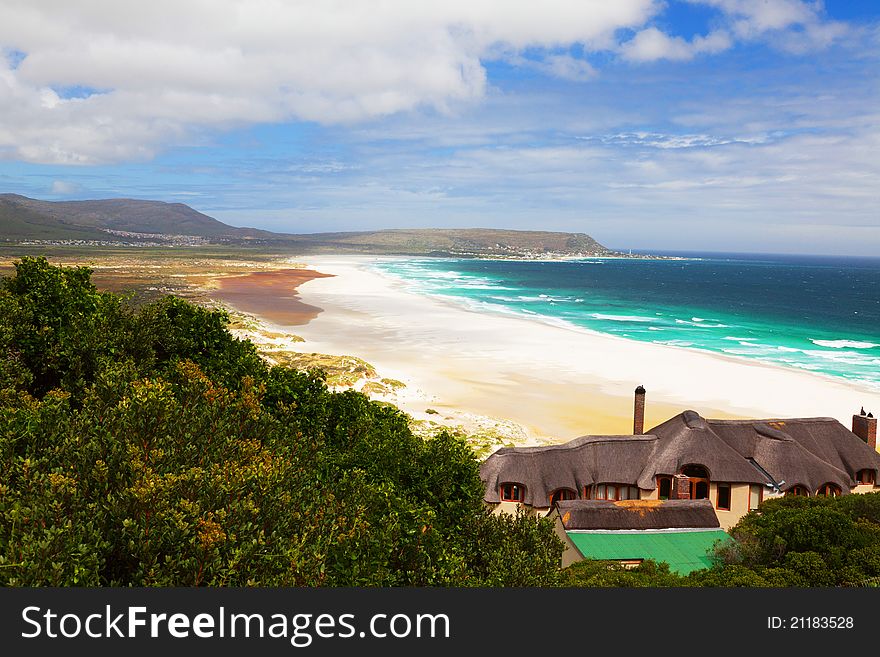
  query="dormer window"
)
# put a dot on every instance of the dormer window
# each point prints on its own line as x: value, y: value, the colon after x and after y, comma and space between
x: 828, y: 490
x: 866, y: 477
x: 513, y: 492
x: 797, y: 491
x: 561, y: 494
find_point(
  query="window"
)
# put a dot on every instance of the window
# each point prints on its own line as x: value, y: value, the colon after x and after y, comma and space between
x: 797, y: 491
x: 615, y: 492
x: 562, y: 494
x: 627, y: 493
x: 588, y: 492
x: 664, y: 485
x: 723, y: 501
x: 756, y: 496
x: 828, y: 490
x: 513, y: 492
x: 866, y: 477
x: 699, y: 489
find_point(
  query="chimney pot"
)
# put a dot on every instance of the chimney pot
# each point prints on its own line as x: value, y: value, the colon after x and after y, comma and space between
x: 865, y: 427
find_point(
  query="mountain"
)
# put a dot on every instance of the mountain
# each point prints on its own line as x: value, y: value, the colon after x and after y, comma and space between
x: 155, y: 222
x: 25, y: 217
x: 18, y: 222
x: 457, y: 241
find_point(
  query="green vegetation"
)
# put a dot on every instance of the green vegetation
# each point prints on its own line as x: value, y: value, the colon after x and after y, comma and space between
x: 480, y: 242
x: 148, y: 447
x: 338, y: 370
x: 791, y: 541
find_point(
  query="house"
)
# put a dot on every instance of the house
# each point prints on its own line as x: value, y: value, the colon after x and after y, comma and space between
x: 735, y: 464
x: 681, y: 533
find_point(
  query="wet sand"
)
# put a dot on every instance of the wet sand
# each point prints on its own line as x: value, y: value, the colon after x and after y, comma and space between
x: 270, y: 294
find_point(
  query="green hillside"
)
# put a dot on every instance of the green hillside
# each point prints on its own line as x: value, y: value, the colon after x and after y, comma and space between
x: 56, y: 219
x: 461, y: 241
x: 22, y: 223
x: 132, y: 220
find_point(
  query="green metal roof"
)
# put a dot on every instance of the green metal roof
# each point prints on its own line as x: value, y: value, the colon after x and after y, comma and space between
x: 684, y: 550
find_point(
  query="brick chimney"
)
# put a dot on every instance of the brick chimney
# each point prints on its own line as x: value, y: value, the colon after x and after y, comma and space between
x: 639, y: 412
x: 681, y: 487
x: 865, y: 427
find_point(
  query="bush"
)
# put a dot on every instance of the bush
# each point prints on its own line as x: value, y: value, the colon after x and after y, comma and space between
x: 148, y: 447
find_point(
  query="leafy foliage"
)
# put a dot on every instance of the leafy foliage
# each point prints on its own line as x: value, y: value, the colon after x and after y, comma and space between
x: 789, y: 541
x: 148, y: 447
x: 611, y: 574
x: 809, y: 541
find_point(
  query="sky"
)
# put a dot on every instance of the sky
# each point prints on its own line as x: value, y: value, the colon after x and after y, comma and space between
x: 716, y: 125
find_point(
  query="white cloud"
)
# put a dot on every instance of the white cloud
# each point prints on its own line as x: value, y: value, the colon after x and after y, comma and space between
x: 150, y: 74
x: 651, y: 44
x: 64, y: 188
x: 791, y: 25
x: 160, y: 68
x: 569, y: 68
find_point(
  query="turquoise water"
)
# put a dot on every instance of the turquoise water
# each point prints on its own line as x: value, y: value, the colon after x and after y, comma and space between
x: 811, y: 313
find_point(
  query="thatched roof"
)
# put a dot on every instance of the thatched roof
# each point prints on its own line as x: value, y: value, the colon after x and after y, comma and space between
x: 637, y: 514
x: 801, y: 451
x: 581, y: 462
x: 688, y: 439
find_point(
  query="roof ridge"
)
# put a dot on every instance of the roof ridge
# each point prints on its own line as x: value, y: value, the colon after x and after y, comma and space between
x: 540, y: 449
x: 772, y: 419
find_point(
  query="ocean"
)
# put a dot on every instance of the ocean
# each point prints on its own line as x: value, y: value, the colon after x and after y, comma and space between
x: 819, y: 314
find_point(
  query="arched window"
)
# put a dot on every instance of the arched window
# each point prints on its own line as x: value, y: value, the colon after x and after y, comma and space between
x: 513, y: 492
x: 615, y: 492
x: 561, y: 494
x: 866, y: 477
x: 797, y: 491
x: 828, y: 490
x: 697, y: 471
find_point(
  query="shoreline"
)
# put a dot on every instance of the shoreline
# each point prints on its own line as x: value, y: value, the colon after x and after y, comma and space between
x: 555, y: 382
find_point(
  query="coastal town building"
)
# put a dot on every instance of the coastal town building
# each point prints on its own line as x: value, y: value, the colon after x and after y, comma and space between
x: 735, y: 464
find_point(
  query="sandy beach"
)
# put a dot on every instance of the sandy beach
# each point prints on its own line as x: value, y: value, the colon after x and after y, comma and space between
x: 556, y: 382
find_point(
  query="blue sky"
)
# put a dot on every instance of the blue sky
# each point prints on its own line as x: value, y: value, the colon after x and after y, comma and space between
x: 742, y: 125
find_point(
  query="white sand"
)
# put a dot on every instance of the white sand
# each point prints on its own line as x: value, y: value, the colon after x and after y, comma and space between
x: 555, y: 381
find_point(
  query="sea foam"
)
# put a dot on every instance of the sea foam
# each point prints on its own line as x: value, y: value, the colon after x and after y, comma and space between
x: 844, y: 344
